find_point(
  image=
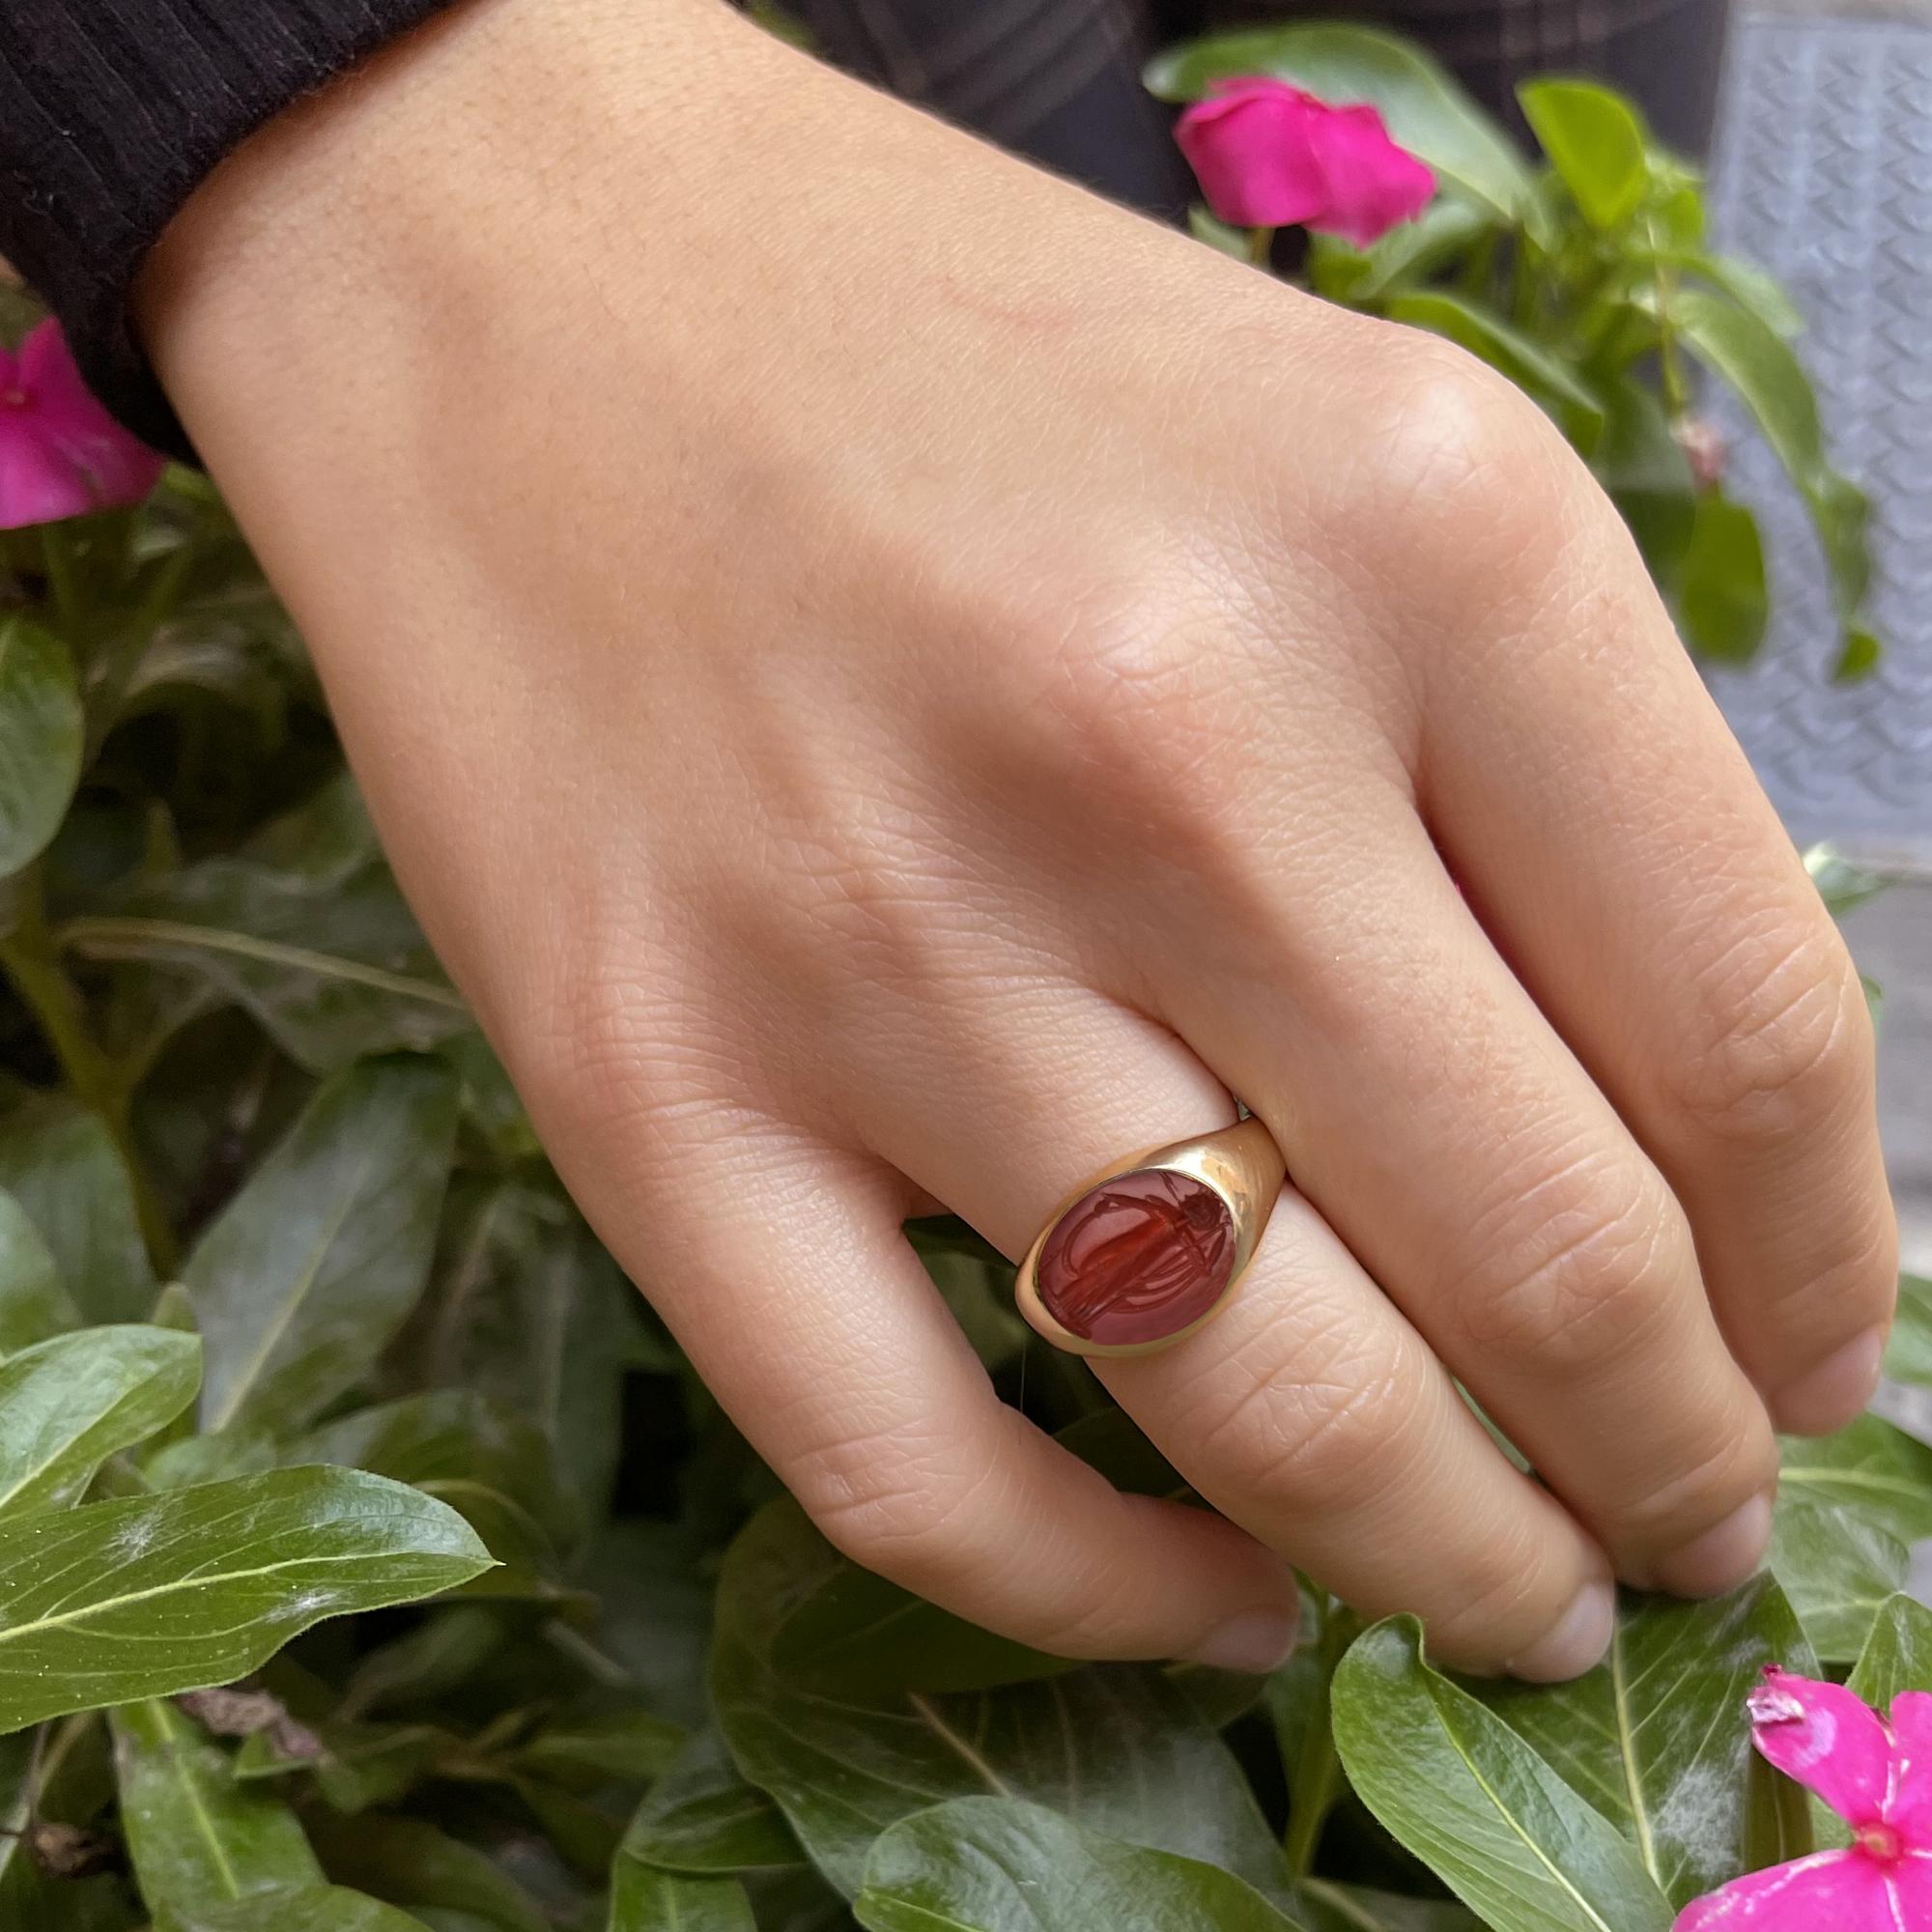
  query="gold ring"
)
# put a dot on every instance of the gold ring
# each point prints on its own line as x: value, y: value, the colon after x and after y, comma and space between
x: 1149, y: 1250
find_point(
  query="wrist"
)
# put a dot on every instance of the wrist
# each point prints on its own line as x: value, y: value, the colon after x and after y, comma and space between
x: 425, y: 177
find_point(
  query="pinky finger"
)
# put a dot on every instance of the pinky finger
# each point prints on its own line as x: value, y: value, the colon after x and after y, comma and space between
x: 820, y: 1333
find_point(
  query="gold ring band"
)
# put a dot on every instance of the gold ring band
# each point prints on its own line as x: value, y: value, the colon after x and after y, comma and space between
x: 1150, y: 1249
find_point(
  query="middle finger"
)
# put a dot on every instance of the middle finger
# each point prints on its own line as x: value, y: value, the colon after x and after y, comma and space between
x: 1449, y: 1136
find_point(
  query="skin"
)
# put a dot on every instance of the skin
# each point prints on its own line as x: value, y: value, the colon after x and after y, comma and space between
x: 890, y: 681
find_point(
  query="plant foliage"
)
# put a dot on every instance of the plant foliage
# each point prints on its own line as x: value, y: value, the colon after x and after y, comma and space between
x: 370, y: 1561
x: 1591, y: 283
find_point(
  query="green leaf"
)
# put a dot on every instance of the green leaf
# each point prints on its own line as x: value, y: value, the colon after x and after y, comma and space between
x: 1644, y: 472
x: 327, y: 840
x: 537, y: 1316
x: 1908, y: 1356
x: 1355, y: 1907
x: 1897, y: 1655
x: 333, y: 968
x: 612, y: 1745
x: 33, y: 1303
x: 1525, y: 361
x: 1748, y: 286
x: 1871, y: 1468
x: 654, y: 1613
x: 1205, y: 226
x: 1760, y: 366
x: 643, y: 1900
x: 440, y: 1654
x: 460, y: 1447
x: 197, y: 1838
x: 1594, y: 141
x: 151, y: 1594
x: 1838, y: 1570
x: 1445, y: 230
x: 309, y: 1908
x: 59, y: 1161
x: 357, y: 1764
x: 1119, y: 1747
x: 1654, y: 1737
x: 702, y: 1817
x: 69, y: 1404
x: 40, y: 736
x: 1475, y: 1803
x: 1425, y: 111
x: 1722, y: 595
x: 1858, y: 655
x: 997, y: 1865
x: 581, y: 1831
x: 411, y: 1865
x: 315, y: 1263
x: 72, y: 1783
x: 1844, y: 886
x: 1848, y: 1506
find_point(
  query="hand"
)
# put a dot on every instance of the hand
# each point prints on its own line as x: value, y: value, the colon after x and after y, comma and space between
x: 890, y: 681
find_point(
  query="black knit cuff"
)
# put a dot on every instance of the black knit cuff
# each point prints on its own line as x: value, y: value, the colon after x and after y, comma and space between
x: 112, y: 112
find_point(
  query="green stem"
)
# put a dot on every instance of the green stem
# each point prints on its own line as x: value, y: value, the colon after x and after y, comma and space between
x: 1316, y: 1778
x: 1670, y: 359
x: 28, y: 958
x: 1315, y: 1786
x: 1478, y: 273
x: 1260, y: 246
x: 57, y: 550
x: 119, y: 656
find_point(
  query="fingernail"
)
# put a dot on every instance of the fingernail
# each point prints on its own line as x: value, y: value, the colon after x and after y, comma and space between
x: 1834, y: 1393
x: 1576, y: 1641
x: 1722, y: 1557
x: 1257, y: 1641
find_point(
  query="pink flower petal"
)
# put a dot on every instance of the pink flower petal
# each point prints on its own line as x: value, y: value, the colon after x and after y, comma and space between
x: 1829, y: 1892
x: 115, y: 467
x: 1911, y: 1883
x: 1909, y: 1809
x: 1829, y: 1741
x: 1372, y: 185
x: 1249, y: 145
x: 38, y: 485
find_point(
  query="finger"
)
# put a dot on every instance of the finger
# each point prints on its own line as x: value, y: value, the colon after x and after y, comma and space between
x: 1309, y: 1410
x: 1679, y: 946
x: 783, y: 1274
x: 1446, y: 1133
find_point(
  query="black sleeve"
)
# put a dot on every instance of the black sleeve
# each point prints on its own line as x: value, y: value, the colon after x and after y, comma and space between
x: 113, y: 111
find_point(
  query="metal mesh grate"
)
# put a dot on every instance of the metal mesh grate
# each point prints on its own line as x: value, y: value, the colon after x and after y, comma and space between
x: 1824, y: 174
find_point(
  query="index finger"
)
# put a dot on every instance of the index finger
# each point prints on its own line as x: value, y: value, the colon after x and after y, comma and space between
x: 1627, y: 862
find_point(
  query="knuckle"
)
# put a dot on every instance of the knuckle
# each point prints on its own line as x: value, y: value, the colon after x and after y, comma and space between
x: 1708, y: 1486
x: 1787, y: 1042
x: 1855, y: 1291
x: 1500, y: 1587
x: 894, y: 1506
x: 1138, y: 711
x: 610, y: 1060
x: 1463, y: 476
x: 1581, y: 1272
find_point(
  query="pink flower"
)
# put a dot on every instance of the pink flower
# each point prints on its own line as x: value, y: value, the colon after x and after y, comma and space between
x: 1877, y: 1776
x: 61, y: 453
x: 1706, y: 448
x: 1270, y: 156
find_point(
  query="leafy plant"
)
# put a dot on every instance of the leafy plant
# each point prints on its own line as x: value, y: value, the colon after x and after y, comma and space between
x: 370, y: 1560
x: 1591, y: 284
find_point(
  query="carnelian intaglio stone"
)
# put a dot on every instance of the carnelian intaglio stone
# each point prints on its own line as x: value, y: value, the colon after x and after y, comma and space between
x: 1142, y: 1257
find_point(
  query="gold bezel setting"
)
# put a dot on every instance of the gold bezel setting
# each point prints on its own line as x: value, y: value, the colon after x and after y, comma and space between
x: 1241, y: 1163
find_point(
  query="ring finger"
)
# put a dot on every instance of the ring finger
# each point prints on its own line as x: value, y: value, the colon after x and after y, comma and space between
x: 1309, y: 1411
